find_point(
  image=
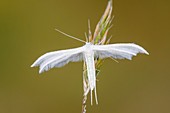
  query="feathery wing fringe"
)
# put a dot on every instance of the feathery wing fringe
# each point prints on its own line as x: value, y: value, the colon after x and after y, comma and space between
x: 118, y: 51
x: 58, y: 58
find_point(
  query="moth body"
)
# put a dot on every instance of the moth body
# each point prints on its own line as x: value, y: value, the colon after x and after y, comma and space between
x: 89, y: 60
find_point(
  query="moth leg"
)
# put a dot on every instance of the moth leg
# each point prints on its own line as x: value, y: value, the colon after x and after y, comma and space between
x: 114, y: 59
x: 95, y: 93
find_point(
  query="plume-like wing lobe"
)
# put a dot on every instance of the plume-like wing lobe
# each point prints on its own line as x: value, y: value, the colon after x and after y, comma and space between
x: 118, y: 51
x: 58, y: 58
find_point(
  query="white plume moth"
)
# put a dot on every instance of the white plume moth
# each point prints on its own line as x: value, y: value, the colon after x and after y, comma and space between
x: 87, y: 53
x: 91, y: 53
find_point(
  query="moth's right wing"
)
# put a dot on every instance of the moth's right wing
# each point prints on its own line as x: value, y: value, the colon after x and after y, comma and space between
x: 118, y: 51
x: 58, y: 58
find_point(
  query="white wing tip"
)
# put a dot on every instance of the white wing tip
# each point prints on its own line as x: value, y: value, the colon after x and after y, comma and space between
x: 35, y: 64
x: 141, y: 48
x: 144, y: 51
x: 41, y: 70
x: 32, y: 65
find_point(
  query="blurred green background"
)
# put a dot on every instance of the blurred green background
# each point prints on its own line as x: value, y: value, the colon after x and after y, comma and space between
x: 27, y: 31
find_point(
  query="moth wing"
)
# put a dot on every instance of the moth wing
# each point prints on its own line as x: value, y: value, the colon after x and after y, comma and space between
x: 118, y: 51
x: 58, y: 58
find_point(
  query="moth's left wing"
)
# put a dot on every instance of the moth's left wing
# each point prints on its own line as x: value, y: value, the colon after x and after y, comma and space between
x: 118, y: 51
x: 58, y: 58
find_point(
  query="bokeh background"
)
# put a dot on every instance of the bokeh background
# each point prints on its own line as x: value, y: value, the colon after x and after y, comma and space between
x: 27, y: 31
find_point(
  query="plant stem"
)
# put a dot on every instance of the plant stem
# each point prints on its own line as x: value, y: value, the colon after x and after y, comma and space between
x: 84, y: 104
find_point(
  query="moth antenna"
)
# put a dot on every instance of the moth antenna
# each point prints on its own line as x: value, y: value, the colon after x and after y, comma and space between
x: 69, y: 35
